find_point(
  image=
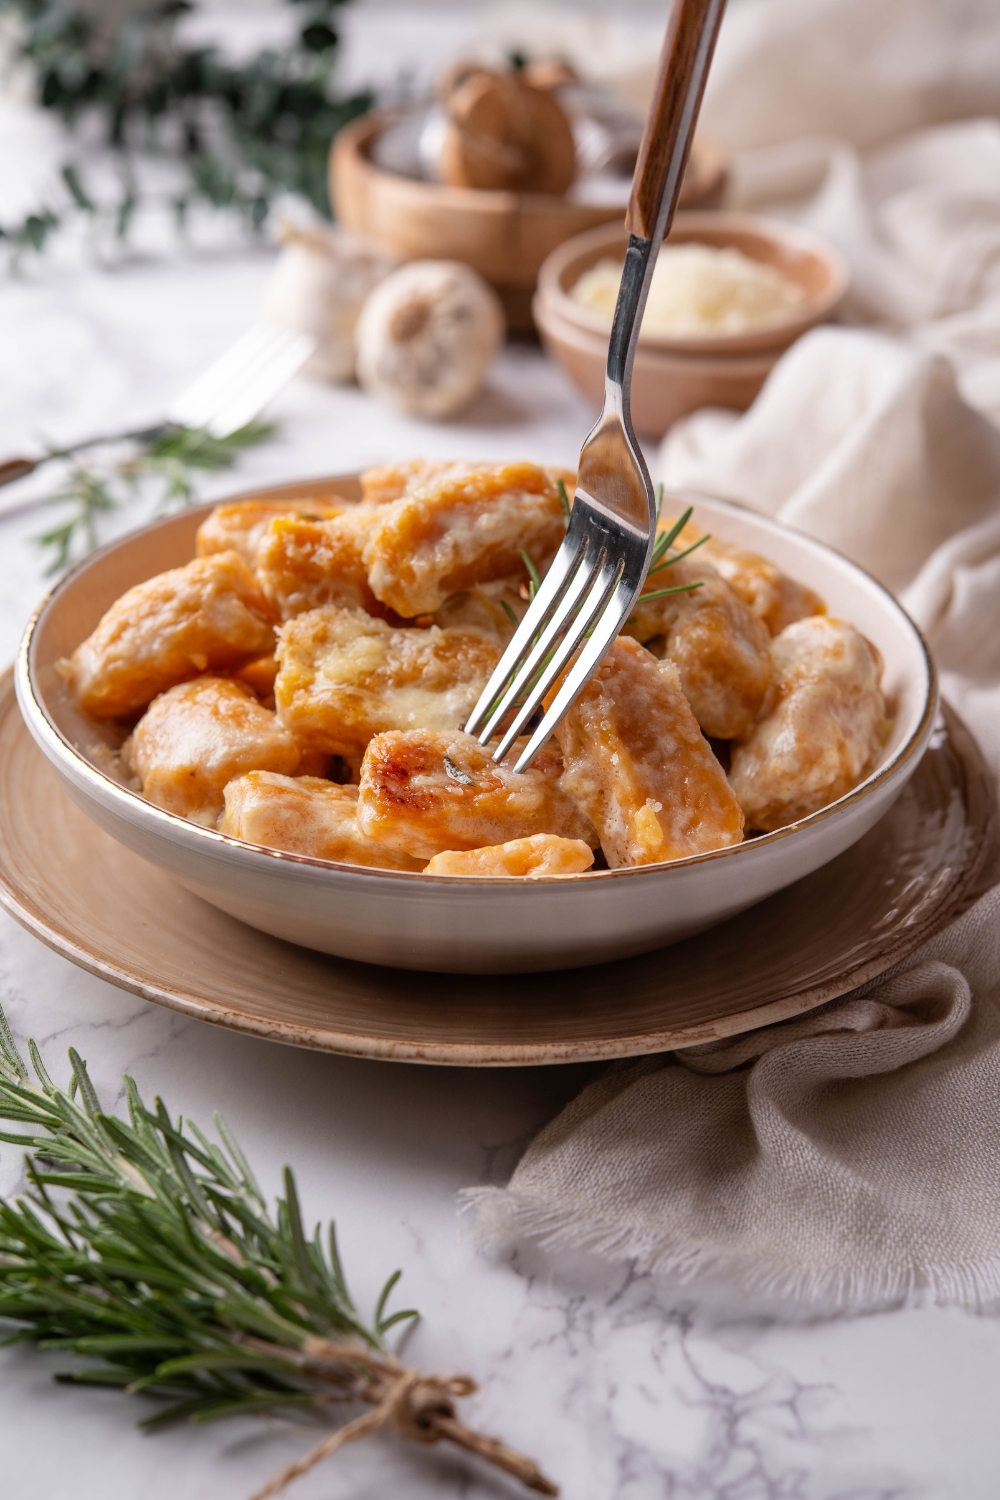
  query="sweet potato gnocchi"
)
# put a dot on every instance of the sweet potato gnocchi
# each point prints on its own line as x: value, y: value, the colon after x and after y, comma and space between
x: 195, y: 737
x: 209, y: 614
x: 424, y: 791
x: 304, y: 682
x: 344, y: 677
x: 304, y: 815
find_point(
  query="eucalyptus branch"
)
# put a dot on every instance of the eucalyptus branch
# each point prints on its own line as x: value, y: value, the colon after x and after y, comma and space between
x: 241, y: 133
x: 148, y: 1250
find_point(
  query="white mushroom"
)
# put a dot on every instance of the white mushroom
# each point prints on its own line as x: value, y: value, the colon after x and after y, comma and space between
x: 319, y: 286
x: 427, y: 335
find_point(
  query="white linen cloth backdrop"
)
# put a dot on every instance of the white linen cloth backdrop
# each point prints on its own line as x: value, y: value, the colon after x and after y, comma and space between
x: 849, y: 1159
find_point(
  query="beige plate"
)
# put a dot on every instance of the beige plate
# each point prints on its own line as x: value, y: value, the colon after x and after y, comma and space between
x: 111, y: 912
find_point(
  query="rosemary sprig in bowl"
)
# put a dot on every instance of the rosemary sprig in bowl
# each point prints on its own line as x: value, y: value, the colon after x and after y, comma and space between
x: 148, y: 1249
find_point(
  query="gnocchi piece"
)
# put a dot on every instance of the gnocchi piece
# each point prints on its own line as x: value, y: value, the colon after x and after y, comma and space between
x: 239, y: 527
x: 210, y: 614
x: 775, y: 598
x: 494, y: 609
x: 304, y: 815
x: 304, y: 563
x: 717, y: 644
x: 259, y: 675
x: 392, y: 481
x: 823, y: 724
x: 196, y: 737
x: 541, y: 854
x: 462, y: 527
x: 427, y: 791
x: 639, y: 766
x: 344, y: 677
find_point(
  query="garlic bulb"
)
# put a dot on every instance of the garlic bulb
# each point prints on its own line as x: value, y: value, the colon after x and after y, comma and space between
x: 319, y: 286
x: 427, y: 335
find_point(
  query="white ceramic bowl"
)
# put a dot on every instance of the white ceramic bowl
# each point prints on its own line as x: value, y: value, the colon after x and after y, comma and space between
x: 449, y: 923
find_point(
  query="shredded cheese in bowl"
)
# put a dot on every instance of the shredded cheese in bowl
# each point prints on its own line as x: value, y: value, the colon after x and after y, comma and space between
x: 697, y: 289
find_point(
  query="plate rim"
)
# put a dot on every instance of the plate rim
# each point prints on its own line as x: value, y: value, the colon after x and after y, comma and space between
x: 977, y: 787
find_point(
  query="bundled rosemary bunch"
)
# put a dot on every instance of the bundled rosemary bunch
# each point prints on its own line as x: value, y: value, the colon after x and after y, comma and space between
x: 241, y: 133
x: 149, y: 1250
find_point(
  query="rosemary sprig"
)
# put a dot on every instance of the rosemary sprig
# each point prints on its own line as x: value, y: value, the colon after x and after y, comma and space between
x: 148, y: 1250
x: 534, y: 577
x: 91, y: 489
x: 563, y: 500
x: 659, y: 560
x: 680, y: 588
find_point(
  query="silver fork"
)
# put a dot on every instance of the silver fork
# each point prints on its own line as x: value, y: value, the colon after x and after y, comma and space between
x: 599, y: 570
x: 224, y: 398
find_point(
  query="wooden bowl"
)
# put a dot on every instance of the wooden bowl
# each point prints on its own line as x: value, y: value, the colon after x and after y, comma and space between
x: 504, y: 236
x: 676, y: 375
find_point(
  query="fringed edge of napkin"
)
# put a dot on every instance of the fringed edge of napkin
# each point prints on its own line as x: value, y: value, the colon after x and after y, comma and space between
x: 499, y: 1217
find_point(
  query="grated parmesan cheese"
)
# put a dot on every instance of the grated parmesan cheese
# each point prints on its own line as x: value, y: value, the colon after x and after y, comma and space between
x: 697, y: 289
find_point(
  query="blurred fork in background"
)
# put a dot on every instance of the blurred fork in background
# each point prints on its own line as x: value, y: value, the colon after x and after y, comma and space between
x: 227, y: 396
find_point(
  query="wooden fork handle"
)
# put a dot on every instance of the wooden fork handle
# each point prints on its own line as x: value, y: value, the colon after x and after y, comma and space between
x: 18, y: 468
x: 692, y: 28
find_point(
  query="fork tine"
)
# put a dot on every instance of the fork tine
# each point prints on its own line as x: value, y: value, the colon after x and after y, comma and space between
x: 521, y: 680
x: 591, y: 611
x: 246, y: 400
x: 604, y: 633
x: 563, y: 566
x: 197, y: 401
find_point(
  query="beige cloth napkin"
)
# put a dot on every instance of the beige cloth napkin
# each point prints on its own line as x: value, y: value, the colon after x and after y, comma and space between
x: 850, y: 1159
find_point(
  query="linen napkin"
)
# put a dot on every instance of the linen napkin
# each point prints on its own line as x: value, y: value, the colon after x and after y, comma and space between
x: 849, y: 1159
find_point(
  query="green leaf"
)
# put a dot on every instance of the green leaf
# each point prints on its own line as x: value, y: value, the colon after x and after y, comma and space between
x: 383, y: 1299
x: 398, y: 1317
x: 112, y: 1344
x: 237, y: 1360
x: 119, y: 1378
x: 533, y: 574
x: 239, y: 1160
x: 669, y: 562
x: 681, y: 588
x: 72, y: 180
x: 12, y: 1061
x: 80, y: 1076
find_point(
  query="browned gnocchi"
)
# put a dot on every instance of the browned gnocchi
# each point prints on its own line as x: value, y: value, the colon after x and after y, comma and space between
x: 303, y: 684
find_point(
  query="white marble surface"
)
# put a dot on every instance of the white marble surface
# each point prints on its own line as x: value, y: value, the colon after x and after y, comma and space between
x: 619, y: 1388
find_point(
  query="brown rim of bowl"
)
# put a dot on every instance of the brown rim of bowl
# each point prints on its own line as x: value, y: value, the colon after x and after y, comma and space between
x: 358, y: 136
x: 716, y: 226
x: 173, y: 824
x: 649, y: 353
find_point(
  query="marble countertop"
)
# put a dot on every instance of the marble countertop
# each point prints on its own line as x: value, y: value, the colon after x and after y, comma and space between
x: 618, y: 1387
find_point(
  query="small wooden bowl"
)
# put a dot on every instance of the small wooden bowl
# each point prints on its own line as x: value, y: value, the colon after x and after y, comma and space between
x: 504, y: 236
x: 676, y: 375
